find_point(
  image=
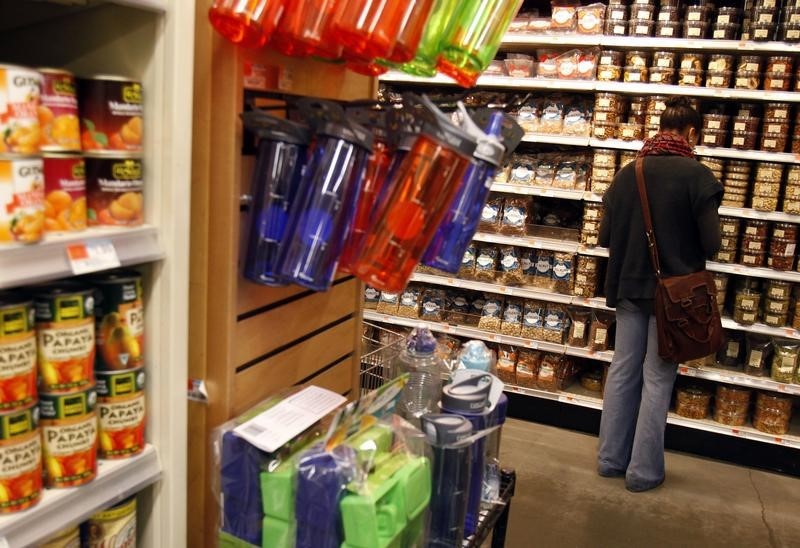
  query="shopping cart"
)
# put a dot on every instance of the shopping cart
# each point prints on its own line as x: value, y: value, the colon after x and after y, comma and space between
x: 379, y: 347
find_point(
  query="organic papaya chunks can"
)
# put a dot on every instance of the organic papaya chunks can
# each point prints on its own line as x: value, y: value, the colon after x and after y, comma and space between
x: 69, y: 438
x: 20, y: 460
x: 122, y: 412
x: 17, y: 352
x: 65, y: 334
x: 119, y: 312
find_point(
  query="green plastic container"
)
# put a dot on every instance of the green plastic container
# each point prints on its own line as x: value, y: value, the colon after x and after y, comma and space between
x: 424, y: 63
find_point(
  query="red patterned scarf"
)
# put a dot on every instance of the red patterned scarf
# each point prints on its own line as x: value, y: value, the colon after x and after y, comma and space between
x: 666, y: 144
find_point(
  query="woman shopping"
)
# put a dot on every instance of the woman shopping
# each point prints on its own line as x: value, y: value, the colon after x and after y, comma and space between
x: 684, y: 197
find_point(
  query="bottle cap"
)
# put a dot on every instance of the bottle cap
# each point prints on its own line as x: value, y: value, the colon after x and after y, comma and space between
x: 469, y: 395
x: 276, y: 129
x: 441, y: 429
x: 421, y: 341
x: 490, y: 148
x: 476, y: 355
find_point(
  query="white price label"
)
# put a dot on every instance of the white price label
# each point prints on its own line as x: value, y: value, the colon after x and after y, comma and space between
x: 688, y: 371
x: 92, y: 256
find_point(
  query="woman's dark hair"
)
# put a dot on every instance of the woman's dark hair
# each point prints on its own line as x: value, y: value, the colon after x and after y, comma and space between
x: 680, y: 114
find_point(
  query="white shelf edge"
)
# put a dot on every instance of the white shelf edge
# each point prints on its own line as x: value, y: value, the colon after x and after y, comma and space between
x: 62, y: 508
x: 616, y: 144
x: 547, y: 192
x: 532, y: 242
x: 572, y: 396
x: 754, y: 155
x: 756, y: 272
x: 738, y: 378
x: 47, y: 260
x: 746, y: 213
x: 549, y: 139
x: 786, y: 332
x: 159, y: 6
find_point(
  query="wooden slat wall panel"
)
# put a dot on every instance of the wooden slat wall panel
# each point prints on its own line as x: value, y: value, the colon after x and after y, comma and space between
x: 293, y: 365
x: 252, y: 296
x: 337, y: 379
x: 261, y: 334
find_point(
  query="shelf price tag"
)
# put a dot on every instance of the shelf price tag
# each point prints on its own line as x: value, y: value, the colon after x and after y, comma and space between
x: 688, y: 371
x: 92, y: 256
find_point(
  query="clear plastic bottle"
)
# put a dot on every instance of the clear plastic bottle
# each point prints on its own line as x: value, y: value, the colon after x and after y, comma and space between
x: 421, y: 394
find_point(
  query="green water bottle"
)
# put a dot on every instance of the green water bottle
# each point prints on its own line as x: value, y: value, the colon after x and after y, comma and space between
x: 441, y: 19
x: 474, y: 37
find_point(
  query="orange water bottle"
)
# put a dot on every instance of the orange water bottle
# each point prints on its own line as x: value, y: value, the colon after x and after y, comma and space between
x: 368, y: 28
x: 248, y: 23
x: 411, y: 28
x: 418, y: 196
x: 304, y: 29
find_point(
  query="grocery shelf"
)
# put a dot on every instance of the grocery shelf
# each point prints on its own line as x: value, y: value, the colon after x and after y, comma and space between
x: 788, y: 332
x: 755, y: 155
x: 747, y: 213
x: 62, y: 508
x: 593, y: 251
x: 577, y: 395
x: 480, y: 334
x: 737, y: 377
x: 547, y: 192
x: 533, y: 242
x: 396, y: 77
x: 47, y: 260
x: 643, y: 42
x: 755, y: 272
x: 524, y: 292
x: 697, y: 91
x: 152, y: 5
x: 617, y: 144
x: 570, y: 140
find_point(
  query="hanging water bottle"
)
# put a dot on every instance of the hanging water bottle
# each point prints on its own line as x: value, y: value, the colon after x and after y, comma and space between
x: 418, y: 358
x: 320, y: 216
x: 279, y: 165
x: 424, y: 61
x: 476, y: 355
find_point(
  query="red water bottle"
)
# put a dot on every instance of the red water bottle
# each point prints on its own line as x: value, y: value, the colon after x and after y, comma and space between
x: 248, y: 23
x: 304, y: 29
x: 419, y: 194
x: 411, y: 28
x: 368, y: 29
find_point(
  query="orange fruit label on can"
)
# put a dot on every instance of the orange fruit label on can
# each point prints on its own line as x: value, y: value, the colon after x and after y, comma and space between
x: 20, y: 472
x: 111, y: 114
x: 17, y: 355
x: 58, y: 112
x: 122, y: 421
x: 20, y: 90
x: 66, y: 354
x: 70, y: 450
x: 114, y: 188
x: 21, y: 200
x: 119, y: 310
x: 65, y: 193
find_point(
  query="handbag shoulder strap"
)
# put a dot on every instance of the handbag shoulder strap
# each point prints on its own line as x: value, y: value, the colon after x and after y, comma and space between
x: 648, y: 220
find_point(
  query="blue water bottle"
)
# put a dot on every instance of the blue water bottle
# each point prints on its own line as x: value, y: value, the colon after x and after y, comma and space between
x: 452, y: 459
x: 326, y: 201
x: 461, y: 221
x: 476, y: 355
x: 479, y: 398
x: 282, y: 149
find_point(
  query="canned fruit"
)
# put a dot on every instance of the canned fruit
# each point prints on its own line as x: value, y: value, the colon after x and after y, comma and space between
x: 122, y: 420
x: 20, y: 90
x: 113, y: 528
x: 112, y: 384
x: 58, y: 112
x: 65, y: 193
x: 21, y: 200
x: 70, y: 434
x: 120, y: 321
x: 111, y: 114
x: 69, y: 538
x: 17, y: 353
x: 114, y: 191
x: 65, y: 334
x: 20, y: 460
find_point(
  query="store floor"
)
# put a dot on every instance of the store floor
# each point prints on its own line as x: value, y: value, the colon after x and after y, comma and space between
x: 561, y: 502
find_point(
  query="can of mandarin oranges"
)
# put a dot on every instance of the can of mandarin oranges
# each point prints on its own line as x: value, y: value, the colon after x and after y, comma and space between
x: 21, y: 199
x: 20, y: 460
x: 58, y: 112
x: 68, y: 538
x: 114, y: 187
x: 17, y: 352
x: 122, y: 412
x: 65, y: 192
x: 20, y: 91
x: 69, y: 437
x: 65, y: 335
x: 111, y: 114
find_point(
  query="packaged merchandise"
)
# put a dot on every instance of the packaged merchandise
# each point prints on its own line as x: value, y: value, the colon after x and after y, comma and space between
x: 507, y: 364
x: 759, y: 355
x: 458, y: 307
x: 693, y: 402
x: 555, y: 323
x: 371, y: 297
x: 388, y: 303
x: 408, y: 303
x: 432, y: 305
x: 491, y: 314
x: 579, y: 319
x: 22, y: 199
x: 733, y: 353
x: 562, y: 272
x: 592, y: 380
x: 19, y: 375
x: 58, y: 112
x: 512, y: 317
x: 515, y: 216
x: 784, y: 360
x: 468, y: 262
x: 599, y: 336
x: 543, y: 277
x: 510, y: 266
x: 492, y: 212
x: 533, y: 320
x: 528, y: 364
x: 21, y: 476
x: 486, y: 263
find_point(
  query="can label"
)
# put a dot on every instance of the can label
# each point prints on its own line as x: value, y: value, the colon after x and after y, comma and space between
x: 21, y: 200
x: 122, y: 421
x: 114, y: 191
x: 120, y: 323
x: 71, y: 538
x: 111, y: 115
x: 20, y: 90
x: 65, y: 193
x: 17, y: 356
x: 115, y: 527
x: 58, y: 113
x: 112, y: 384
x: 70, y: 450
x: 66, y: 342
x: 20, y: 472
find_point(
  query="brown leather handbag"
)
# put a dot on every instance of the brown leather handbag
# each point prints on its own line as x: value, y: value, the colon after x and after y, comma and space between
x: 687, y: 316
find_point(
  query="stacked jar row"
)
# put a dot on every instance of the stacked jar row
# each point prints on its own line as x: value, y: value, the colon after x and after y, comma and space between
x: 757, y: 243
x: 764, y: 186
x: 750, y: 300
x: 751, y: 127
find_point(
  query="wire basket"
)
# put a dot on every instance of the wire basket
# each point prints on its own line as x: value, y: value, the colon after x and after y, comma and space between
x: 379, y: 347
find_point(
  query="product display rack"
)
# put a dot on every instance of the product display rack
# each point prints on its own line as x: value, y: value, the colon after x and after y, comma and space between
x: 150, y: 41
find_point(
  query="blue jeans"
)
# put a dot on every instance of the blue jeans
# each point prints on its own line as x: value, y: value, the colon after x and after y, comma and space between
x: 638, y: 391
